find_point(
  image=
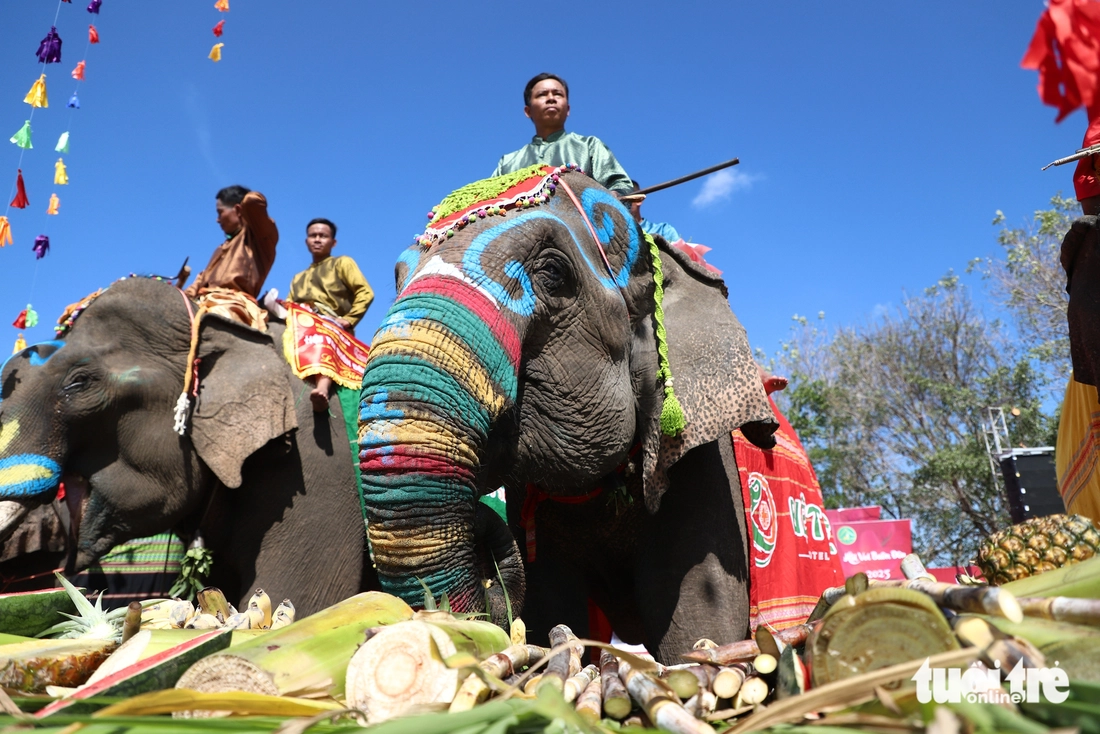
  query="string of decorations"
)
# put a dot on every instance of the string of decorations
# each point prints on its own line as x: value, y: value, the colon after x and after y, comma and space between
x: 49, y: 52
x: 222, y: 6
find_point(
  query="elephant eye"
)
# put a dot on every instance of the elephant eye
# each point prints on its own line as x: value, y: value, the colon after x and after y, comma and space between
x: 76, y: 382
x: 553, y: 274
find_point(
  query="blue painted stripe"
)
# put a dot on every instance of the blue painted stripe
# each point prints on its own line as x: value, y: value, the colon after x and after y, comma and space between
x: 29, y: 487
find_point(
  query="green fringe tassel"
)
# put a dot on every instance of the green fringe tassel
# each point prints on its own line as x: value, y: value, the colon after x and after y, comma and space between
x: 673, y: 421
x: 486, y: 188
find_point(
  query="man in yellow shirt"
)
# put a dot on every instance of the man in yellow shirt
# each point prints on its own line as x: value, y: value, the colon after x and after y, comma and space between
x: 333, y: 287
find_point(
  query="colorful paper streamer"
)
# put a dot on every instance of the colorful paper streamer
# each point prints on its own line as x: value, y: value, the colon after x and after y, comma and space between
x: 219, y: 28
x: 78, y: 71
x: 37, y: 96
x: 22, y: 137
x: 5, y: 231
x: 54, y: 204
x: 63, y: 143
x: 41, y: 247
x: 216, y: 52
x: 49, y: 50
x: 93, y: 34
x: 60, y: 173
x: 20, y: 201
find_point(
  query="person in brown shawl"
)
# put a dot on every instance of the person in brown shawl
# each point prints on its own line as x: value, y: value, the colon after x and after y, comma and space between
x: 242, y: 262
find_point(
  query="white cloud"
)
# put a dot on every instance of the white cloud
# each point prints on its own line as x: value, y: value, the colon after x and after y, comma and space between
x: 721, y: 186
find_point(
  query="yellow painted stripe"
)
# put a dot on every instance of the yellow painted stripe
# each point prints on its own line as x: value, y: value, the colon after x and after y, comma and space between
x: 450, y: 354
x: 412, y: 548
x: 21, y: 473
x: 8, y: 434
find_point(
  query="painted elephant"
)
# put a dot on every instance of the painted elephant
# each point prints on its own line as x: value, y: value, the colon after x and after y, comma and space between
x: 270, y: 484
x: 523, y: 351
x: 1080, y: 256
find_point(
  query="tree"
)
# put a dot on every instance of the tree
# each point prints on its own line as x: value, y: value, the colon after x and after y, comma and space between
x: 1030, y: 283
x: 890, y: 413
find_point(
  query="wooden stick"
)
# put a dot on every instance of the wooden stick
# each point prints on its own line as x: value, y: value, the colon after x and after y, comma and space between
x: 746, y: 650
x: 590, y: 702
x: 685, y: 179
x: 616, y: 701
x: 660, y: 703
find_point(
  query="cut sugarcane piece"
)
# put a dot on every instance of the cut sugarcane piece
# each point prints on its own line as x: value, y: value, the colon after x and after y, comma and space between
x: 616, y: 700
x: 728, y: 680
x: 577, y: 683
x: 560, y: 666
x: 28, y: 613
x: 1063, y: 609
x: 29, y: 667
x: 681, y: 680
x: 307, y: 658
x: 660, y: 703
x: 912, y: 567
x: 131, y: 623
x: 500, y: 665
x: 1079, y: 580
x: 881, y: 627
x: 745, y: 650
x: 753, y: 691
x: 403, y: 666
x: 590, y: 702
x: 154, y: 673
x: 976, y: 599
x: 702, y: 704
x: 765, y: 663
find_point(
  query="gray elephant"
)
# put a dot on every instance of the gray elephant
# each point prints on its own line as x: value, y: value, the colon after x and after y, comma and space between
x: 270, y: 484
x: 526, y: 350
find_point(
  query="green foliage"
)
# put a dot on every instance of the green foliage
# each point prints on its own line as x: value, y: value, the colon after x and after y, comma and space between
x: 194, y: 570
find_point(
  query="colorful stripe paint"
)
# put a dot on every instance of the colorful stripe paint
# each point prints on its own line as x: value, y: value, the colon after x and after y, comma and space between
x: 443, y: 365
x: 28, y: 475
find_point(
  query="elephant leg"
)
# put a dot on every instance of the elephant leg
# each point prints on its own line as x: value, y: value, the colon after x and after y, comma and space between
x: 691, y: 572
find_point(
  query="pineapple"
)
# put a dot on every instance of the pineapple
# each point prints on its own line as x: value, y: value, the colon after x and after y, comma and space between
x: 1037, y: 545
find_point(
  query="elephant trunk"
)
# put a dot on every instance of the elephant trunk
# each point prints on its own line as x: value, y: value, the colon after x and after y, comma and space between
x: 428, y: 403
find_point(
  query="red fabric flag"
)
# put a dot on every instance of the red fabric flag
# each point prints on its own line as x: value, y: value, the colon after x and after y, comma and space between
x: 20, y: 320
x: 78, y: 72
x: 218, y: 29
x: 1065, y: 50
x: 93, y: 34
x: 20, y: 201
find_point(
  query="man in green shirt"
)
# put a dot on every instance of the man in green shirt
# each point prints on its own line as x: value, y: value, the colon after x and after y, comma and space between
x: 546, y: 104
x: 334, y: 287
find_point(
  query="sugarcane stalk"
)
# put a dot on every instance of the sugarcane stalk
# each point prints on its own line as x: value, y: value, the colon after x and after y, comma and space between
x: 746, y: 650
x: 589, y: 703
x: 753, y: 691
x: 616, y: 701
x: 503, y: 664
x: 681, y: 680
x: 307, y: 658
x: 577, y: 683
x: 532, y: 684
x: 912, y: 567
x: 702, y: 704
x: 728, y: 680
x: 560, y: 666
x: 1063, y: 609
x: 131, y: 623
x: 30, y: 666
x: 404, y: 666
x: 660, y: 703
x: 976, y: 599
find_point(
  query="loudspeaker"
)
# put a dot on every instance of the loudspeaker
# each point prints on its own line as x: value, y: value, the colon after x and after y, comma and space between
x: 1031, y: 484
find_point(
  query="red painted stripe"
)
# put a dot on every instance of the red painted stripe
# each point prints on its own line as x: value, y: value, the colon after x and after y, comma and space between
x: 397, y: 463
x: 476, y: 301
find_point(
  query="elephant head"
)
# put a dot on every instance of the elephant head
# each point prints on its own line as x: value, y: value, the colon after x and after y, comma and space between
x: 95, y: 408
x: 521, y: 349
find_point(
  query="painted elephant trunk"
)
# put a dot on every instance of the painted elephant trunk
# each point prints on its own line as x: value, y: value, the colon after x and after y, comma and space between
x: 429, y: 400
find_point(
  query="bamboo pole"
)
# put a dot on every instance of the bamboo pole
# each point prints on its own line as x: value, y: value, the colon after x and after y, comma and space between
x: 616, y: 701
x: 660, y: 703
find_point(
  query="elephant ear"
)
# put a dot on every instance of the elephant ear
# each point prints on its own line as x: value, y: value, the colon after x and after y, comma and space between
x: 715, y: 377
x: 244, y: 397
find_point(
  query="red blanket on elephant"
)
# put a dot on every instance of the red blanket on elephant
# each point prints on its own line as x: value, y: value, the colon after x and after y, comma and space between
x: 793, y: 557
x: 313, y: 345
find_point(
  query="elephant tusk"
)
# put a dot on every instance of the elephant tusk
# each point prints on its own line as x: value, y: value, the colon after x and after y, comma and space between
x: 11, y: 514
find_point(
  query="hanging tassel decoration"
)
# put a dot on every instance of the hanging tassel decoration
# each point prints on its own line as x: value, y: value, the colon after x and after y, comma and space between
x: 32, y: 317
x: 93, y: 34
x: 41, y: 246
x: 63, y: 143
x: 672, y: 419
x: 49, y: 50
x: 20, y: 201
x: 216, y: 52
x: 222, y: 5
x: 20, y: 344
x: 54, y: 203
x: 219, y: 28
x: 5, y: 231
x: 78, y: 72
x: 60, y: 173
x: 37, y: 96
x: 93, y: 6
x: 21, y: 320
x: 74, y: 102
x: 22, y: 138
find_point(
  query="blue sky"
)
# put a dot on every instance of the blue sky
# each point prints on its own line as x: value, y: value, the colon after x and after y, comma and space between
x: 877, y: 139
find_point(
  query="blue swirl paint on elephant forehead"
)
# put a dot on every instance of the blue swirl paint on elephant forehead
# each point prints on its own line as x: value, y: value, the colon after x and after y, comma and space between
x: 28, y: 475
x: 524, y: 305
x: 411, y: 258
x: 604, y: 224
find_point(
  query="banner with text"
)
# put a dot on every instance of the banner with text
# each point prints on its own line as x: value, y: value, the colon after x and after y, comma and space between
x: 874, y: 547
